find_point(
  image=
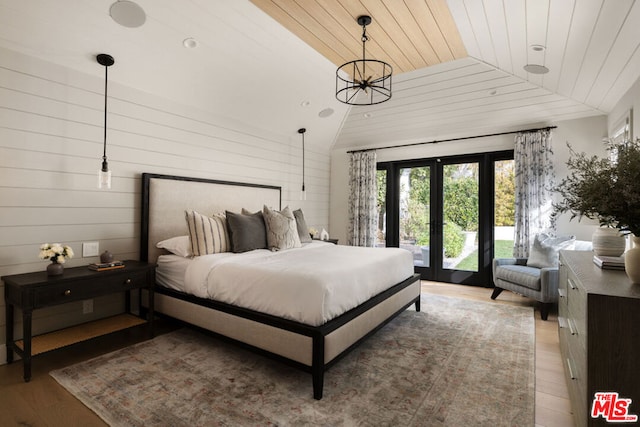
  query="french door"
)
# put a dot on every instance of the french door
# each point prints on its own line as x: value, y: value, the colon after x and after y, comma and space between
x: 442, y: 210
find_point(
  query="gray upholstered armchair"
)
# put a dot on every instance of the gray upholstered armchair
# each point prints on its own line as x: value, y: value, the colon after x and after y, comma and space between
x: 539, y: 283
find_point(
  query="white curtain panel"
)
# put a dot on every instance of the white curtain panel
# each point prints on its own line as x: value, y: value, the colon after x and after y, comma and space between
x: 534, y: 179
x: 362, y: 199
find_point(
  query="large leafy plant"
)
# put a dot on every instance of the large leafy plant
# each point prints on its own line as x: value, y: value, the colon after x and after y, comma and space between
x: 606, y: 190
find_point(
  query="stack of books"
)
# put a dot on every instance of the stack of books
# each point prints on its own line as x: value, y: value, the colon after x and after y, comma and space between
x: 106, y: 266
x: 609, y: 262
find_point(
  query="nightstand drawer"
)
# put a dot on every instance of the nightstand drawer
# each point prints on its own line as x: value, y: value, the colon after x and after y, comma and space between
x: 80, y: 290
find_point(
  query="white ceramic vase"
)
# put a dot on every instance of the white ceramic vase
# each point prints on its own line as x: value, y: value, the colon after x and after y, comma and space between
x: 608, y: 242
x: 632, y: 260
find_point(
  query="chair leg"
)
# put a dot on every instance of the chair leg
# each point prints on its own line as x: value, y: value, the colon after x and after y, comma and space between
x: 496, y: 292
x: 544, y: 310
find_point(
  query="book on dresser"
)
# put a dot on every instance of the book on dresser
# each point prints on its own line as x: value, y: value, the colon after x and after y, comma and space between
x: 609, y: 262
x: 104, y: 266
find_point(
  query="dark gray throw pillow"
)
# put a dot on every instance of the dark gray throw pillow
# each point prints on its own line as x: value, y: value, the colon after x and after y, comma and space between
x: 303, y: 228
x: 247, y: 232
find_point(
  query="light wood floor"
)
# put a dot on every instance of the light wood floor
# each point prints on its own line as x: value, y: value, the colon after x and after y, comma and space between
x: 42, y: 402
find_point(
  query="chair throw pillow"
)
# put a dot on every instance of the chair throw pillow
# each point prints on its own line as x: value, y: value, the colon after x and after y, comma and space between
x: 208, y: 234
x: 282, y: 231
x: 545, y: 249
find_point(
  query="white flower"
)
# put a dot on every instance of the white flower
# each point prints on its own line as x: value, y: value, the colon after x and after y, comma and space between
x: 55, y: 252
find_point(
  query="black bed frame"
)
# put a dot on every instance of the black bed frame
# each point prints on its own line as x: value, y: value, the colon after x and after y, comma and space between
x: 317, y: 333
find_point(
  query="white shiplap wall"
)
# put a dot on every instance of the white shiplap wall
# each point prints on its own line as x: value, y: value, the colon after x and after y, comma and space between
x: 51, y: 129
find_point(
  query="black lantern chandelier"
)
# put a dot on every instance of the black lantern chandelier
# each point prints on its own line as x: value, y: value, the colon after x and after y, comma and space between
x: 303, y: 193
x: 367, y: 81
x: 104, y: 174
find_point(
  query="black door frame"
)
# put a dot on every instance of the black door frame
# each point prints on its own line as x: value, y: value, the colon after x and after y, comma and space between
x: 486, y: 196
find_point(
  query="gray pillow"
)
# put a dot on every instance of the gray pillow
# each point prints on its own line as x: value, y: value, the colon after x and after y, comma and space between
x: 282, y: 232
x: 545, y: 249
x: 303, y: 228
x: 246, y: 232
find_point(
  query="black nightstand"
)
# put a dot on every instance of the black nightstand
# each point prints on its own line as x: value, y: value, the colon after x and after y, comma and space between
x: 31, y: 291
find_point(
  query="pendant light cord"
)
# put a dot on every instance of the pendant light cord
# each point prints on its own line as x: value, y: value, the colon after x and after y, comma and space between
x: 106, y: 75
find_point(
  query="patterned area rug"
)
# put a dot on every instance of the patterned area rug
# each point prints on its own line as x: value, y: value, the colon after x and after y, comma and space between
x: 456, y: 363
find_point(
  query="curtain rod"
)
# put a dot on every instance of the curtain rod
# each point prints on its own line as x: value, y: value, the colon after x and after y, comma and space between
x: 451, y: 139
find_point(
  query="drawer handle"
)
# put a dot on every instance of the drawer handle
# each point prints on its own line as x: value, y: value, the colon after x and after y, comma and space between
x: 561, y: 293
x: 571, y: 284
x: 570, y: 369
x: 572, y: 328
x: 67, y: 292
x: 562, y: 322
x: 127, y: 282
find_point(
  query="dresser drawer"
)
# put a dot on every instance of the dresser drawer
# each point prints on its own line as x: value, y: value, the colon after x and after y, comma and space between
x: 575, y: 369
x: 80, y: 290
x: 576, y: 317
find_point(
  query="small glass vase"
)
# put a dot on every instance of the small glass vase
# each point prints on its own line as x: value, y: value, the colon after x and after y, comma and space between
x: 55, y: 269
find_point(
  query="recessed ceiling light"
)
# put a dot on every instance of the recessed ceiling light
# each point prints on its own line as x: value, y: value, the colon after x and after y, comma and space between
x: 305, y: 103
x: 190, y: 43
x: 493, y: 92
x: 536, y: 69
x: 325, y: 113
x: 127, y: 13
x: 367, y: 115
x: 537, y: 47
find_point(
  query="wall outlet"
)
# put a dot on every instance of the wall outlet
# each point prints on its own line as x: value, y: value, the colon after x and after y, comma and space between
x: 90, y: 249
x: 87, y: 306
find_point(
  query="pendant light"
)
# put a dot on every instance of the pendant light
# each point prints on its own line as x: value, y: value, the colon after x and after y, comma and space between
x: 303, y: 193
x: 368, y: 81
x: 104, y: 174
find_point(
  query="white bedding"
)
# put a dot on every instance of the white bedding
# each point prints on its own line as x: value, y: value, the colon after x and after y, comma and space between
x: 311, y: 285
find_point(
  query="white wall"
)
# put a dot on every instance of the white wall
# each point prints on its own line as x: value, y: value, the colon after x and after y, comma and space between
x: 630, y: 101
x: 51, y: 130
x: 583, y: 134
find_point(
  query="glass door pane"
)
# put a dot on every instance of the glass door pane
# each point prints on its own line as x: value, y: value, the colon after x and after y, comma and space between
x: 504, y: 208
x: 414, y: 221
x: 460, y: 214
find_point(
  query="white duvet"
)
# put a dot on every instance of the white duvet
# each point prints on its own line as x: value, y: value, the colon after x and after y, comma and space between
x: 311, y: 285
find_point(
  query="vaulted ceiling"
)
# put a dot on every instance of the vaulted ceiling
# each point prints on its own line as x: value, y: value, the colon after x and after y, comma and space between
x: 458, y: 64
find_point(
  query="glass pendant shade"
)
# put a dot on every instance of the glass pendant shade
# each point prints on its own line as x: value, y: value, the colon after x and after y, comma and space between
x: 104, y: 176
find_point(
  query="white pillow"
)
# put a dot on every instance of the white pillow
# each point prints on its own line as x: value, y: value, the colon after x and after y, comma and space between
x: 177, y: 245
x: 545, y: 249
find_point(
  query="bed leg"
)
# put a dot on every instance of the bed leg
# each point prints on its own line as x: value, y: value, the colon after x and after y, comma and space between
x: 417, y: 303
x: 317, y: 368
x: 318, y: 385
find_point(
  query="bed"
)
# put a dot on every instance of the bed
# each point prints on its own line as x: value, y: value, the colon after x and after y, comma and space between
x: 293, y: 330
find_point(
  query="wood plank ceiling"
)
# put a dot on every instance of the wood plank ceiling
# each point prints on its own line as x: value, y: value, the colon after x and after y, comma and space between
x: 408, y: 34
x: 458, y: 64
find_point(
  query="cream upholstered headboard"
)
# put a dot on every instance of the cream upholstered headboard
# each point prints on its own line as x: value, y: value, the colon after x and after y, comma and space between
x: 165, y: 199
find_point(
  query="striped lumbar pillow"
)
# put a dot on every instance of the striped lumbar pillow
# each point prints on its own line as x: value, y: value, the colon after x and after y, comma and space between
x: 208, y: 235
